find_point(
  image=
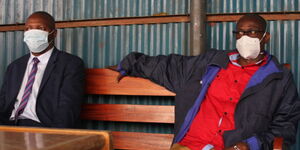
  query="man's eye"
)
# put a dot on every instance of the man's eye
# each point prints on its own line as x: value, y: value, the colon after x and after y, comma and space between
x: 42, y: 28
x: 241, y: 32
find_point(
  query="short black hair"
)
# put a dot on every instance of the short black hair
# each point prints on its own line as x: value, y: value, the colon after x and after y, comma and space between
x: 259, y: 18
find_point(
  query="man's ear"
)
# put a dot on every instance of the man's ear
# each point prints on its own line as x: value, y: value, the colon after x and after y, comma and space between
x: 267, y: 37
x: 54, y: 33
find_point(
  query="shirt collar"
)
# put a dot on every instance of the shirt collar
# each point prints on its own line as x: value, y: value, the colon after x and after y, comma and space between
x: 44, y: 58
x: 233, y: 57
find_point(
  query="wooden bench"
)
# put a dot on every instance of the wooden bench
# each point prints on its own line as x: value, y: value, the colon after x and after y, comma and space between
x: 103, y: 82
x: 16, y: 138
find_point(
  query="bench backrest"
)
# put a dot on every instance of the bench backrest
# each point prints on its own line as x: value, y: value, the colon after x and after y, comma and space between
x: 103, y: 82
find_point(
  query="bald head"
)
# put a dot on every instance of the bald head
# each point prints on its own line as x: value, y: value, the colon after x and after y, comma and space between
x: 42, y: 18
x: 255, y: 19
x: 253, y: 26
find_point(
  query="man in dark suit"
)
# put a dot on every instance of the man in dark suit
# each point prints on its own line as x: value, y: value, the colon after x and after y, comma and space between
x: 44, y: 88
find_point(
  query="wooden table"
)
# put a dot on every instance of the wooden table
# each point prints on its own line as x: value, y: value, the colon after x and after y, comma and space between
x: 22, y: 138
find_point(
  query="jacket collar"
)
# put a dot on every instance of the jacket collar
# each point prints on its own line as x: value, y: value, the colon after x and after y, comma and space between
x: 221, y: 59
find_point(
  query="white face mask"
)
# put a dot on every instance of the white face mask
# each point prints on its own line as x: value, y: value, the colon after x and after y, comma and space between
x: 248, y: 48
x: 36, y: 40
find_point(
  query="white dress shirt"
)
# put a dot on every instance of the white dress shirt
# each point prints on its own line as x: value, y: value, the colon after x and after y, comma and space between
x: 30, y: 109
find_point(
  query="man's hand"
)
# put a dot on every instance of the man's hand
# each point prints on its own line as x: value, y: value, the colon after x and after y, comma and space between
x: 115, y: 68
x: 238, y: 146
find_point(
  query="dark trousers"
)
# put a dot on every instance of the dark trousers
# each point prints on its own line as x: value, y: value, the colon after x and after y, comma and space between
x: 24, y: 122
x: 28, y: 122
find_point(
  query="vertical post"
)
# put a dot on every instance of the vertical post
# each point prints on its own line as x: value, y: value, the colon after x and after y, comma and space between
x: 197, y: 27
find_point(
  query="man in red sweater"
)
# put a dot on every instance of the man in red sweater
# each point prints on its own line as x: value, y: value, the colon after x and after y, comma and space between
x: 216, y: 113
x: 232, y: 100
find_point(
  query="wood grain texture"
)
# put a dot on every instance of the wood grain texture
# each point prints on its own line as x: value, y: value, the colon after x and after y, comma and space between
x: 277, y: 145
x: 128, y: 113
x: 105, y: 134
x: 106, y: 22
x: 43, y: 141
x: 141, y: 141
x: 287, y: 66
x: 232, y: 17
x: 104, y: 82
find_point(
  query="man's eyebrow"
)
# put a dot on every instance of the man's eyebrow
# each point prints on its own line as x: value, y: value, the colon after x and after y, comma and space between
x: 250, y: 27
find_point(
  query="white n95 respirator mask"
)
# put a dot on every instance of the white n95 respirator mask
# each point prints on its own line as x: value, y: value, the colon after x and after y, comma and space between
x: 248, y: 47
x: 36, y: 40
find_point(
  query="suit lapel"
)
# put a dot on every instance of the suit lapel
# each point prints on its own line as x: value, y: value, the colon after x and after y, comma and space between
x: 50, y: 66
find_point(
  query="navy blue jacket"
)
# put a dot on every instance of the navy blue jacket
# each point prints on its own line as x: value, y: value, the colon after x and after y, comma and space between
x: 60, y: 93
x: 269, y: 106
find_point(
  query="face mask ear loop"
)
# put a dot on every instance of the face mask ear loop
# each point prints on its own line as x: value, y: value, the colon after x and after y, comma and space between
x: 50, y: 34
x: 264, y: 33
x: 263, y: 36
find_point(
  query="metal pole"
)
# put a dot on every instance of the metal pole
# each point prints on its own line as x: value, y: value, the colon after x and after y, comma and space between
x: 197, y: 27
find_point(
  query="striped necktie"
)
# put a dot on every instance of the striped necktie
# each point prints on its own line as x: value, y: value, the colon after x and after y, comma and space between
x: 28, y: 88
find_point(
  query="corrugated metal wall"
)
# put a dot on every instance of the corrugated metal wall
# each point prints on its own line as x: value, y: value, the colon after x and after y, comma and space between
x: 103, y: 46
x: 13, y: 11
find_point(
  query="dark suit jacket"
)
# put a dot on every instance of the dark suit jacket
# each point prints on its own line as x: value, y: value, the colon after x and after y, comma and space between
x: 60, y: 93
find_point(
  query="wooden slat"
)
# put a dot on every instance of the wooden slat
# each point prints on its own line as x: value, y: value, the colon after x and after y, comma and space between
x: 287, y: 66
x: 105, y: 134
x: 277, y: 145
x: 12, y: 27
x: 104, y: 81
x: 125, y: 21
x: 106, y: 22
x: 228, y: 17
x: 128, y: 113
x: 142, y: 141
